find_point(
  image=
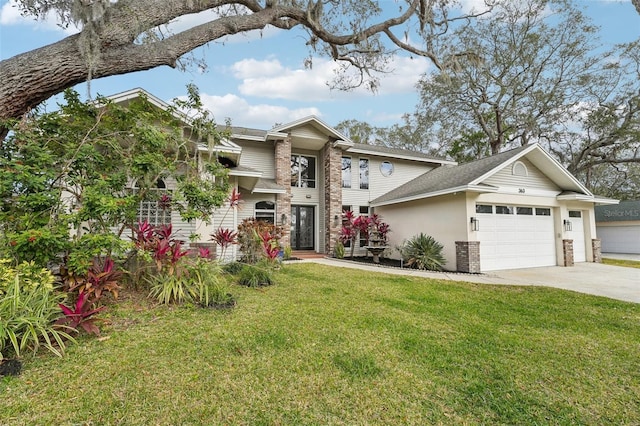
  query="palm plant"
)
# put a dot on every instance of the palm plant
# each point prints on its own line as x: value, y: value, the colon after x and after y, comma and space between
x: 423, y: 252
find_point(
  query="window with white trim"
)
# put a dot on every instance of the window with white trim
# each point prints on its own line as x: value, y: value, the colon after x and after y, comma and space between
x: 156, y: 207
x: 519, y: 169
x: 266, y: 211
x: 346, y: 172
x: 303, y: 171
x: 364, y: 173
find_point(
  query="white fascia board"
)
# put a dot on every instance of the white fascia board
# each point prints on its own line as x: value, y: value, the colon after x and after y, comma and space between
x: 575, y: 197
x: 248, y: 137
x: 218, y: 148
x: 400, y: 156
x: 605, y: 201
x: 308, y: 119
x: 245, y: 173
x: 276, y: 135
x: 465, y: 188
x: 268, y: 191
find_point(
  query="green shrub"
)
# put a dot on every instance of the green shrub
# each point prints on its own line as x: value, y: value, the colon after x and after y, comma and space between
x: 339, y: 250
x: 210, y: 286
x: 423, y: 252
x: 233, y: 268
x: 286, y: 253
x: 201, y: 282
x: 259, y: 275
x: 29, y: 308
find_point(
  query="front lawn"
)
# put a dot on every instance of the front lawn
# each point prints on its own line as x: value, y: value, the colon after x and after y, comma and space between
x: 338, y: 346
x: 622, y: 262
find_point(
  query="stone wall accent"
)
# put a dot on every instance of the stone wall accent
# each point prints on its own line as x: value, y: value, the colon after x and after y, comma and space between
x: 468, y: 256
x: 567, y: 252
x: 332, y: 161
x: 283, y: 178
x: 596, y: 245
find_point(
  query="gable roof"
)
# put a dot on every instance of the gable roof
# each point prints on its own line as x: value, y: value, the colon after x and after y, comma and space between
x: 470, y: 177
x: 317, y: 123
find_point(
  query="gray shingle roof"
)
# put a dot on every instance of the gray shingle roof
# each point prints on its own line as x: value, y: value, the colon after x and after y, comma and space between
x: 384, y: 151
x: 448, y: 177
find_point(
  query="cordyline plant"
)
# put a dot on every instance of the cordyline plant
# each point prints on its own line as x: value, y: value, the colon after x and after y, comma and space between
x: 361, y: 226
x: 81, y: 316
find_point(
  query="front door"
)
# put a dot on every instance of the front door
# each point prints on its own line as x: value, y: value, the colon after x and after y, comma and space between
x: 302, y: 227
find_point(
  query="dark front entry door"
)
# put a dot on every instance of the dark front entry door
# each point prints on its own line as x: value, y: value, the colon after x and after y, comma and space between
x: 302, y: 227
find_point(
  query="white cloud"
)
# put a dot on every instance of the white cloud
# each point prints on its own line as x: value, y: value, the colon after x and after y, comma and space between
x: 270, y: 79
x: 10, y: 15
x: 263, y: 116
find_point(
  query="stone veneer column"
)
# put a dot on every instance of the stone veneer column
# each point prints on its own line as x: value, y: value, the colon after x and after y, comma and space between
x: 567, y: 252
x: 596, y: 245
x: 332, y: 161
x: 468, y: 256
x: 283, y: 178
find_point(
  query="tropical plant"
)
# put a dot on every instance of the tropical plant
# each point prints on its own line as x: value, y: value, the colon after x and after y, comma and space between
x: 224, y: 237
x: 256, y: 275
x: 28, y: 311
x: 210, y: 286
x: 339, y: 250
x: 170, y: 288
x: 103, y: 276
x: 423, y: 252
x: 81, y: 315
x: 286, y: 252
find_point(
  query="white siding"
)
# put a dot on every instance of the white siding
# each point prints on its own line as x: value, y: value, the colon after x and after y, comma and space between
x: 259, y: 156
x: 534, y: 180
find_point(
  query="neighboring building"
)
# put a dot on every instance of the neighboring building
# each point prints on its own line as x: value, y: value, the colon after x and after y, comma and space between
x: 619, y: 227
x: 520, y: 208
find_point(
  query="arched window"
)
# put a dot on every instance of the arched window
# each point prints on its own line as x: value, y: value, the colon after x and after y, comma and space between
x: 519, y: 169
x: 155, y: 208
x: 266, y: 211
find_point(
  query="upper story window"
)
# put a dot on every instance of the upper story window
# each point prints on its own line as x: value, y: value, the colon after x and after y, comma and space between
x: 266, y: 211
x: 303, y: 171
x: 364, y: 173
x: 346, y: 172
x: 156, y: 207
x: 386, y: 168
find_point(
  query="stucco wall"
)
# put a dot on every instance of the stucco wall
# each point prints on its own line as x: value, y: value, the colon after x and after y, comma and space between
x: 444, y: 218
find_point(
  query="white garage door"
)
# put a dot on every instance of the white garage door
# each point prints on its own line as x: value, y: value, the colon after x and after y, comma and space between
x: 514, y: 237
x: 620, y: 239
x: 577, y: 235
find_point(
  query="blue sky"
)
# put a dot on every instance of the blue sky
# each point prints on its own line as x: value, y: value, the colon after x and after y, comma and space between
x: 259, y: 79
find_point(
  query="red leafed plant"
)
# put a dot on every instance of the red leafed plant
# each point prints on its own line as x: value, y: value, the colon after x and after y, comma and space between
x: 82, y: 315
x: 224, y: 237
x: 270, y: 245
x: 102, y: 276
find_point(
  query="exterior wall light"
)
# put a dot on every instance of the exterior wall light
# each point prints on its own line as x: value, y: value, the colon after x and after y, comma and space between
x: 567, y: 225
x: 335, y: 220
x: 475, y: 224
x: 283, y: 219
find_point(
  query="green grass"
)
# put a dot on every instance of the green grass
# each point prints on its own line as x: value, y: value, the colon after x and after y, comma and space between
x: 331, y: 346
x: 622, y: 262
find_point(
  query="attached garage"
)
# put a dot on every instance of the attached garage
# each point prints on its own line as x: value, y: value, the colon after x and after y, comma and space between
x: 515, y: 209
x: 514, y: 237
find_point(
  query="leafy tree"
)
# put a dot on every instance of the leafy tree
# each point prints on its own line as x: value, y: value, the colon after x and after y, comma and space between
x: 75, y: 169
x: 535, y: 73
x: 119, y: 37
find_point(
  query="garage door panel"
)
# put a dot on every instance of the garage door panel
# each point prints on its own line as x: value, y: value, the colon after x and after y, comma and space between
x: 510, y: 241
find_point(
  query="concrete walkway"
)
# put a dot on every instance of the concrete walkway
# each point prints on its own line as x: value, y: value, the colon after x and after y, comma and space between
x: 615, y: 282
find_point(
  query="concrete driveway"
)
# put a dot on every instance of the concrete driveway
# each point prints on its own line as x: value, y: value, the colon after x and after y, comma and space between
x: 615, y: 282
